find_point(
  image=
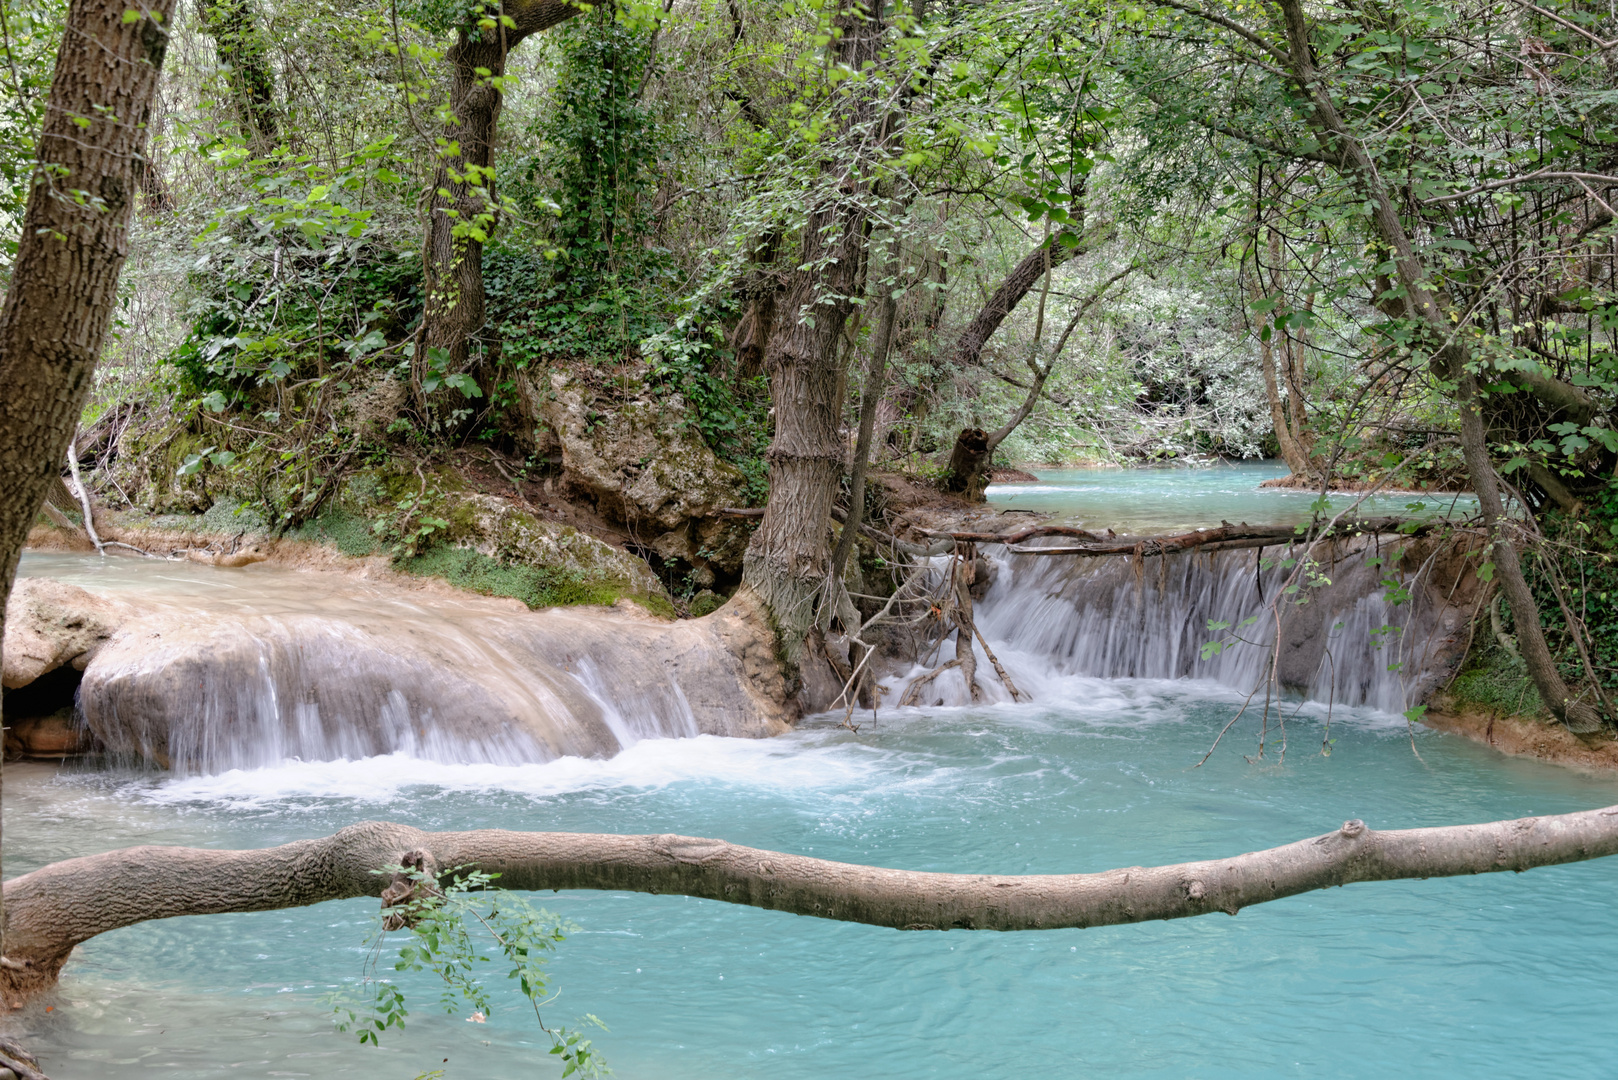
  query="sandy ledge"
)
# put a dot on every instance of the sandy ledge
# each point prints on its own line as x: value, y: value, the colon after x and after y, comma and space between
x: 1521, y: 736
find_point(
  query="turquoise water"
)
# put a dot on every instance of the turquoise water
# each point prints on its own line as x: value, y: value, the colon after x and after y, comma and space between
x: 1141, y: 501
x: 1497, y: 976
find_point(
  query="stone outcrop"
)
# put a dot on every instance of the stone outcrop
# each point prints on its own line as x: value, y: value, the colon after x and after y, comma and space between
x: 284, y: 664
x: 644, y: 464
x: 211, y: 691
x: 50, y: 624
x: 501, y: 530
x: 53, y: 631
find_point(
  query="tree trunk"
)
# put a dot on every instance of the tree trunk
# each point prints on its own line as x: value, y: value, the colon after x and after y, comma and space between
x: 968, y: 472
x: 65, y: 279
x: 64, y: 904
x: 762, y: 289
x: 788, y: 560
x: 870, y: 397
x: 1023, y: 277
x: 461, y: 203
x: 969, y: 464
x: 1450, y: 362
x: 233, y: 25
x: 1292, y: 452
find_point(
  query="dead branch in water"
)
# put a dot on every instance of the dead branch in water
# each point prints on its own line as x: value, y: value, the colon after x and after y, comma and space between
x: 1223, y: 538
x: 913, y: 691
x: 57, y: 907
x: 1016, y: 695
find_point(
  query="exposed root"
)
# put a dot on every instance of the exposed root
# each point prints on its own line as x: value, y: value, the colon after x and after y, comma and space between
x: 913, y: 691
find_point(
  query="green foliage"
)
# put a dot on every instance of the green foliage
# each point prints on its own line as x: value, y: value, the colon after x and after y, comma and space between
x: 29, y: 38
x: 456, y: 931
x: 536, y: 586
x: 1494, y: 680
x: 294, y: 281
x: 1577, y: 565
x: 349, y: 533
x: 589, y: 282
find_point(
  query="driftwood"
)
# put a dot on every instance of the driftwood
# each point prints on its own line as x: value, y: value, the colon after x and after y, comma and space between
x: 54, y: 908
x: 1223, y: 538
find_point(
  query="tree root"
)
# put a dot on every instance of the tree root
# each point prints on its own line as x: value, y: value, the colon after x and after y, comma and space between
x: 913, y: 691
x: 19, y: 1061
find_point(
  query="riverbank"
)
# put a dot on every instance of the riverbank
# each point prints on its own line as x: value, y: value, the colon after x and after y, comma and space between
x: 1522, y: 736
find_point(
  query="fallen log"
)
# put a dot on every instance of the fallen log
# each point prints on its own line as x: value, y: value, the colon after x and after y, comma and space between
x: 59, y: 906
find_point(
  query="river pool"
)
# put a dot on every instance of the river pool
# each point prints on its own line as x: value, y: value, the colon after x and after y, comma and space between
x: 1170, y: 499
x: 1499, y: 976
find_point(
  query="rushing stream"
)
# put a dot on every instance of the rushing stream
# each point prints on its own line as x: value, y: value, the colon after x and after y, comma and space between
x: 1497, y: 976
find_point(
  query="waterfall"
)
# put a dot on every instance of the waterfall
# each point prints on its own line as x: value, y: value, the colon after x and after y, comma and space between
x: 263, y: 680
x: 1380, y: 626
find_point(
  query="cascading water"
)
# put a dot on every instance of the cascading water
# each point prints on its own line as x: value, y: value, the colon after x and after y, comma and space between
x: 1374, y: 629
x: 241, y: 669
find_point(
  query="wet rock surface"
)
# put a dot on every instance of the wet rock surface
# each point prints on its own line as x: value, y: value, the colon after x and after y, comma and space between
x: 250, y: 667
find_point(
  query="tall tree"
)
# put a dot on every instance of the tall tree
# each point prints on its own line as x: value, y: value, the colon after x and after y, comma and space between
x: 75, y: 238
x: 245, y: 57
x: 788, y: 560
x: 461, y: 206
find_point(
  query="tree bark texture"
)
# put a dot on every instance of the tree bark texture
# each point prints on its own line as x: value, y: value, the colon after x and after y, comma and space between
x: 1449, y: 362
x: 1292, y: 450
x: 463, y: 185
x: 233, y: 25
x: 75, y: 238
x: 64, y: 904
x: 870, y: 397
x: 788, y: 560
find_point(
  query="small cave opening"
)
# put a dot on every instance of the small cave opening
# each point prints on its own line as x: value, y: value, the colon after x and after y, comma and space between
x: 42, y: 719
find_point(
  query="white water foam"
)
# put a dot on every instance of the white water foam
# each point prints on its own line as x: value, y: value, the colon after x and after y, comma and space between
x: 797, y: 764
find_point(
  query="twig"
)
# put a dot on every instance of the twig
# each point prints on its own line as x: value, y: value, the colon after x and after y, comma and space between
x: 83, y: 496
x: 998, y: 670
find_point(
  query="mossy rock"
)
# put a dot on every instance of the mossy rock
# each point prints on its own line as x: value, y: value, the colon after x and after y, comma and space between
x: 536, y: 586
x: 1495, y: 680
x: 498, y: 549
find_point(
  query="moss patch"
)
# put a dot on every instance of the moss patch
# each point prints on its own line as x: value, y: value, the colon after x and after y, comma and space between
x: 536, y: 586
x: 349, y: 533
x: 1493, y: 680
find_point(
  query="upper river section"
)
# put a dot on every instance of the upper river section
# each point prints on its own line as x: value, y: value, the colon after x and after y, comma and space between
x: 1139, y: 502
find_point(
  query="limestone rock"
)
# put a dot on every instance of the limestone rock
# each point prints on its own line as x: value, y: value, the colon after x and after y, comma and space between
x: 502, y: 530
x: 56, y: 736
x: 644, y: 464
x: 49, y: 624
x: 212, y: 690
